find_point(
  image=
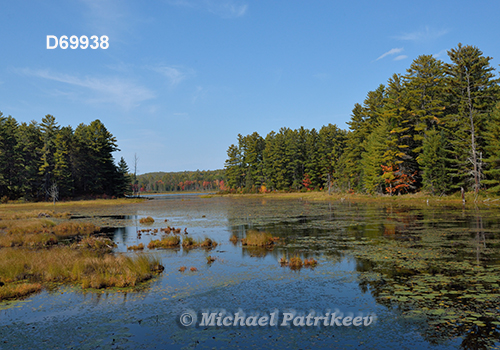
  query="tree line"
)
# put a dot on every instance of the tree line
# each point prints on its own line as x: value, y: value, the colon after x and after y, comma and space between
x: 435, y: 128
x: 209, y: 180
x: 42, y: 160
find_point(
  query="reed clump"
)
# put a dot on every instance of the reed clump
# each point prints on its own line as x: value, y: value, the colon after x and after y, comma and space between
x: 208, y: 243
x: 295, y: 262
x: 190, y: 242
x: 139, y: 246
x: 165, y: 242
x: 147, y: 220
x: 233, y: 239
x: 259, y: 239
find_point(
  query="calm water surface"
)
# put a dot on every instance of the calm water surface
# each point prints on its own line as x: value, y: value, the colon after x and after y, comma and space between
x: 429, y: 275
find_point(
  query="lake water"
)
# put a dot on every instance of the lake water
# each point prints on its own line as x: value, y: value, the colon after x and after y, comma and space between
x: 428, y: 277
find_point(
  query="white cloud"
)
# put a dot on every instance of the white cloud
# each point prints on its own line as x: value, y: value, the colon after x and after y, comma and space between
x: 390, y: 52
x: 221, y: 8
x: 174, y: 74
x: 400, y: 57
x: 425, y: 34
x: 102, y: 90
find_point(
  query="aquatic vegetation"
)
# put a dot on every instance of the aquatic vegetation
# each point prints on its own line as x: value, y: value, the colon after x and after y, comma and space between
x: 139, y: 246
x: 259, y: 239
x: 182, y: 268
x: 233, y: 239
x: 193, y: 269
x: 147, y: 220
x: 210, y: 259
x: 165, y: 242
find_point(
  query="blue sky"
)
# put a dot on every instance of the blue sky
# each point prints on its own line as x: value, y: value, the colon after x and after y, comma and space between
x: 181, y: 78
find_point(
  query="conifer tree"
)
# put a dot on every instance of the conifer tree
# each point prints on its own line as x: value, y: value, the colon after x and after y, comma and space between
x: 473, y: 91
x: 492, y: 138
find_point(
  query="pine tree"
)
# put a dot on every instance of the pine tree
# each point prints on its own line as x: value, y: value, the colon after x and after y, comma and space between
x: 473, y: 91
x: 373, y: 158
x: 10, y: 160
x: 492, y: 138
x: 49, y: 130
x: 434, y: 162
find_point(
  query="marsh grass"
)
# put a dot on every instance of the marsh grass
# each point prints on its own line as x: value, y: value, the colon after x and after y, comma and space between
x: 90, y: 269
x: 165, y: 242
x: 18, y: 290
x: 259, y: 239
x: 8, y: 215
x: 70, y: 229
x: 99, y: 244
x: 37, y: 233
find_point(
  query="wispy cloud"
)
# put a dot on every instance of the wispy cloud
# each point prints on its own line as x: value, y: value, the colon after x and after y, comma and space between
x: 174, y: 74
x: 440, y: 53
x: 221, y: 8
x: 400, y: 57
x: 114, y: 90
x: 200, y: 93
x: 390, y: 52
x: 425, y: 34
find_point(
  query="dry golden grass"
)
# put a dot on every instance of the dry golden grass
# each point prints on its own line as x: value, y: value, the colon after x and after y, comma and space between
x: 18, y: 290
x: 32, y: 214
x: 36, y: 233
x: 148, y: 220
x: 81, y: 266
x: 165, y: 242
x: 233, y: 239
x: 100, y: 244
x: 259, y: 239
x: 140, y: 246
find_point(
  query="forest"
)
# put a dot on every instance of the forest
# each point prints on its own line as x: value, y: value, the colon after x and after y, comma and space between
x: 196, y: 181
x: 40, y: 161
x: 434, y: 129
